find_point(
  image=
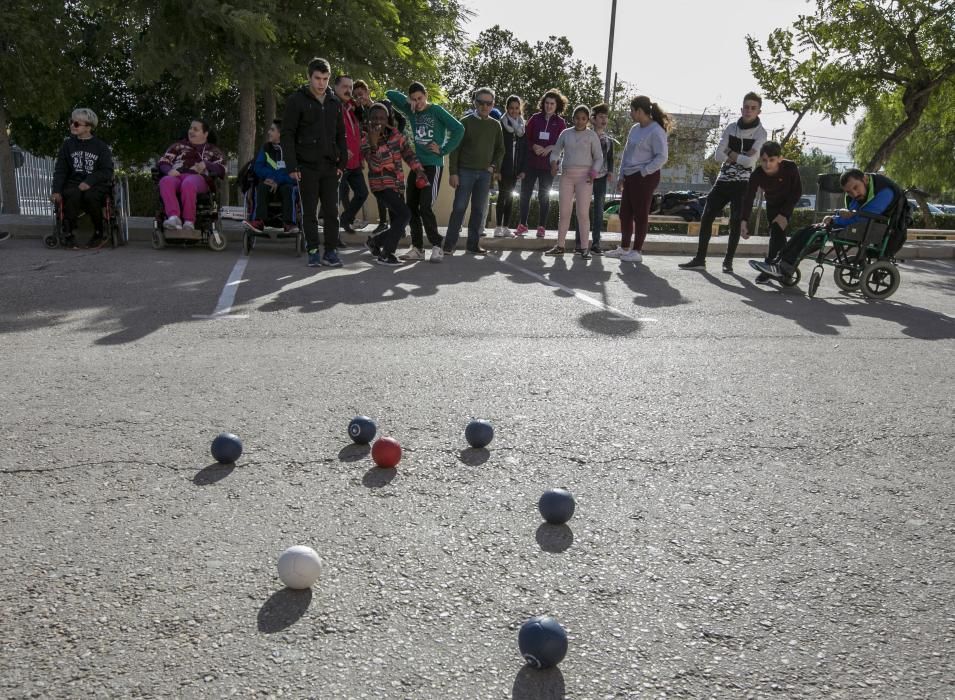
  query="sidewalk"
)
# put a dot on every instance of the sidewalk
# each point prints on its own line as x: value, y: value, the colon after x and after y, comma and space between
x: 140, y: 230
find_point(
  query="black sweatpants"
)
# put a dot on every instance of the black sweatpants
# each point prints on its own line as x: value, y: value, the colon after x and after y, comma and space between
x: 90, y: 201
x: 315, y: 187
x: 400, y: 215
x: 724, y: 192
x: 421, y: 203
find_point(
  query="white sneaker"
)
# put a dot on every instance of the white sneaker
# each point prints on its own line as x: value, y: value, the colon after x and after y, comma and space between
x: 497, y: 232
x: 359, y: 224
x: 437, y: 255
x: 173, y: 222
x: 506, y: 233
x: 413, y: 254
x: 616, y: 252
x: 631, y: 256
x: 188, y: 226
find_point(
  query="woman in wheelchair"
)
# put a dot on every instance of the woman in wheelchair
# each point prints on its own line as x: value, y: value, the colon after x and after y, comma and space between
x: 189, y: 168
x: 870, y: 193
x: 82, y: 178
x: 271, y: 177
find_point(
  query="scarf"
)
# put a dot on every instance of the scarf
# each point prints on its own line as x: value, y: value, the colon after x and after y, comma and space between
x: 513, y: 126
x: 743, y: 125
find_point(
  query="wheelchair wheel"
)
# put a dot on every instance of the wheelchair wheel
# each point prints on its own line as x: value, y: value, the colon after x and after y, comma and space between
x: 880, y: 280
x: 793, y: 280
x: 248, y: 243
x: 159, y: 240
x: 121, y: 211
x: 51, y: 241
x: 217, y: 240
x: 300, y: 244
x: 847, y: 279
x: 814, y: 279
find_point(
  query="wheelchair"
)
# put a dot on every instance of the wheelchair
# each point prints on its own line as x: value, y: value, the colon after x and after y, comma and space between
x: 208, y: 227
x: 859, y: 254
x: 273, y: 221
x: 115, y: 217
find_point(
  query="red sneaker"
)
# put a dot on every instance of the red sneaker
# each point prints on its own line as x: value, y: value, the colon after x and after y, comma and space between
x: 255, y: 225
x: 520, y: 230
x: 541, y: 232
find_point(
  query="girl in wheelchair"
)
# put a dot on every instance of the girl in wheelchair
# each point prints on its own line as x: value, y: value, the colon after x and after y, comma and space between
x: 189, y: 168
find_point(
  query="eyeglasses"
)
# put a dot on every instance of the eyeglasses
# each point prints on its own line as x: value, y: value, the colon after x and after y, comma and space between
x: 77, y: 124
x: 485, y: 103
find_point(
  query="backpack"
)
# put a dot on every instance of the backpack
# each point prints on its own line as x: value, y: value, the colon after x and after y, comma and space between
x: 900, y: 223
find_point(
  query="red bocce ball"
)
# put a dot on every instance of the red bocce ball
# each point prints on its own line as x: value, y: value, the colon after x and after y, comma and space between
x: 386, y: 452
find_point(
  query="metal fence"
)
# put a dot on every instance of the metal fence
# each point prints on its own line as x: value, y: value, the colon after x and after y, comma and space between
x: 34, y: 181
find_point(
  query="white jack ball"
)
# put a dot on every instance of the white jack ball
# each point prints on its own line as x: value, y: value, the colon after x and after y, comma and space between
x: 299, y: 567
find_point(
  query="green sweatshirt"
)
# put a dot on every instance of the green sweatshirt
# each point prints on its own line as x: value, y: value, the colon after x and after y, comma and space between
x: 481, y: 147
x: 433, y: 125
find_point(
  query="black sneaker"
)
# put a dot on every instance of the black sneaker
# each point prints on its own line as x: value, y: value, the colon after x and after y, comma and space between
x: 477, y: 251
x: 69, y: 243
x: 379, y: 228
x: 389, y: 259
x: 348, y: 229
x: 771, y: 270
x: 727, y: 266
x: 763, y: 278
x: 578, y: 250
x: 595, y: 250
x: 585, y: 253
x: 373, y: 247
x: 694, y: 264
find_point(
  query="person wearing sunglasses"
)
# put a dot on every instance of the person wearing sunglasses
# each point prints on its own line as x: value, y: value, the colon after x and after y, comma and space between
x: 81, y: 178
x: 472, y: 166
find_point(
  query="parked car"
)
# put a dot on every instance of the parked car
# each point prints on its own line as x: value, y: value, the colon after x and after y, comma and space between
x: 933, y: 210
x: 946, y: 208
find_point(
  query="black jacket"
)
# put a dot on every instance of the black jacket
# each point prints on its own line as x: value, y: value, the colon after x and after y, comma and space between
x: 83, y: 160
x: 313, y: 133
x: 515, y: 153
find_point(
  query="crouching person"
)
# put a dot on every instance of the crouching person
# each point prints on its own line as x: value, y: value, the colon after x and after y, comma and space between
x: 383, y: 148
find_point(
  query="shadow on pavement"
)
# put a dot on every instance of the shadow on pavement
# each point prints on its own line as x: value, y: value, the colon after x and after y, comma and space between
x: 353, y: 453
x: 534, y: 684
x: 609, y: 323
x: 376, y: 477
x: 474, y: 456
x: 212, y: 474
x: 554, y: 538
x: 283, y: 609
x: 652, y: 291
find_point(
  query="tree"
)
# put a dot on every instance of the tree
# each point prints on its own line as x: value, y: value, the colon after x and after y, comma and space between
x: 32, y: 63
x: 509, y: 66
x: 925, y: 159
x: 853, y: 51
x: 811, y: 164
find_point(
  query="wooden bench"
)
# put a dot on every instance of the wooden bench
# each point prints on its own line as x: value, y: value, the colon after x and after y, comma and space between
x: 938, y: 234
x: 692, y: 227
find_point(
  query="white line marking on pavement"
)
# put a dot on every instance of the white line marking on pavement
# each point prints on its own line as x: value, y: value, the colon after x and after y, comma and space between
x: 227, y: 297
x: 622, y: 315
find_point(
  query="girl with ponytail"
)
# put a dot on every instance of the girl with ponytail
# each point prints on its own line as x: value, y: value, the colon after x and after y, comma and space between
x: 644, y: 155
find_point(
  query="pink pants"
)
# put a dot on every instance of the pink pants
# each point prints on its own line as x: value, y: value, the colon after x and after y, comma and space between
x: 575, y: 183
x: 190, y: 185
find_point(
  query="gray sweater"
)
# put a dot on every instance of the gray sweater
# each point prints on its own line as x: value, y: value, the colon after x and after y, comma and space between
x: 581, y: 149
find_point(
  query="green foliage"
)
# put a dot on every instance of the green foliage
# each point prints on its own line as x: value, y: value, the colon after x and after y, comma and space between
x: 811, y: 164
x: 849, y: 53
x: 508, y: 65
x: 925, y: 158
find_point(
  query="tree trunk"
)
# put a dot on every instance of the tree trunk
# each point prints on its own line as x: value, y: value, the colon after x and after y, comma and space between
x: 268, y: 108
x: 914, y: 108
x: 246, y: 118
x: 792, y: 129
x: 8, y: 180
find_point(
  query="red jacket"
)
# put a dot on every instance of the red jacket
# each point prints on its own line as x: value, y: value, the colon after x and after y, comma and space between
x: 352, y: 135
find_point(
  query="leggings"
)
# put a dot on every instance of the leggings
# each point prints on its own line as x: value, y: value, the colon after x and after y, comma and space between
x: 635, y: 208
x: 544, y: 180
x: 190, y: 186
x: 575, y: 183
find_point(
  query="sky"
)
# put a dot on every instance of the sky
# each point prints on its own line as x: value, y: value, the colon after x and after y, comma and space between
x: 688, y: 55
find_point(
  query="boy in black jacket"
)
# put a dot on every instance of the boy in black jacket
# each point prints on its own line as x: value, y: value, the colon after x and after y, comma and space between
x: 313, y: 139
x: 82, y: 177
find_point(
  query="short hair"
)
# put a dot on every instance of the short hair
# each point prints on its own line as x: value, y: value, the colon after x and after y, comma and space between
x: 277, y: 123
x: 417, y: 87
x: 602, y: 108
x: 87, y: 115
x: 483, y: 91
x: 341, y: 77
x: 360, y: 84
x: 851, y: 174
x: 753, y: 97
x: 511, y: 99
x: 318, y: 65
x: 557, y: 96
x: 205, y: 125
x: 771, y: 149
x: 582, y: 108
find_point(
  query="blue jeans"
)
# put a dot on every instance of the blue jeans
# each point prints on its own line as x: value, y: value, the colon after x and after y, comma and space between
x: 354, y: 179
x: 474, y: 186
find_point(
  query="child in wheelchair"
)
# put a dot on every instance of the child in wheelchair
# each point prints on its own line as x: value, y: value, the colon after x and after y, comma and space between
x: 271, y: 180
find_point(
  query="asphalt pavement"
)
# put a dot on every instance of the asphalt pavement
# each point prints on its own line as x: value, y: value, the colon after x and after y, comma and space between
x: 764, y: 481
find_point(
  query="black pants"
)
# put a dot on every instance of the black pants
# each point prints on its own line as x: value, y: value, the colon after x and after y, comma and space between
x: 777, y: 236
x: 394, y: 203
x: 790, y: 253
x: 544, y: 180
x: 354, y: 180
x: 76, y: 201
x: 318, y: 186
x: 421, y: 203
x: 724, y: 192
x: 505, y: 199
x: 263, y: 193
x: 382, y: 210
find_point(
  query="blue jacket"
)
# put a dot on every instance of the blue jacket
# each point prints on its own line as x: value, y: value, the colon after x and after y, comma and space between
x: 881, y: 194
x: 267, y: 165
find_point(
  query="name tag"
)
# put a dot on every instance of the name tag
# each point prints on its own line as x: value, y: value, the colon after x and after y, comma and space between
x: 544, y: 136
x: 280, y: 165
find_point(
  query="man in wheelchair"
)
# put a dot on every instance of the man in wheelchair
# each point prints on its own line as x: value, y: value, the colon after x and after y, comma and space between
x: 869, y: 193
x: 272, y: 178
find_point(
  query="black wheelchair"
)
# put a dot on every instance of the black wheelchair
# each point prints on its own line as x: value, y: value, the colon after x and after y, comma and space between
x: 208, y: 227
x: 274, y: 226
x: 862, y: 254
x: 115, y: 217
